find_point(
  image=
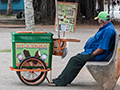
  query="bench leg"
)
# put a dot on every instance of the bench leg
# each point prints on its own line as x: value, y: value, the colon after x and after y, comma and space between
x: 104, y: 75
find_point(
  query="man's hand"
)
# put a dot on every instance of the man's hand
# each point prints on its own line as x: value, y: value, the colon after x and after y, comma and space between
x: 97, y: 51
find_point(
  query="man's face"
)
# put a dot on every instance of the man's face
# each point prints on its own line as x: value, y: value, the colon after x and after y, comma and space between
x: 100, y: 22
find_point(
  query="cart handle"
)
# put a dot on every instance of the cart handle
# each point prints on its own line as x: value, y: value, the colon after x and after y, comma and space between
x: 68, y: 40
x: 60, y: 47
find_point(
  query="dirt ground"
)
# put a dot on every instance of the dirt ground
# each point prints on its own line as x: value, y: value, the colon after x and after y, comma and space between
x: 84, y: 81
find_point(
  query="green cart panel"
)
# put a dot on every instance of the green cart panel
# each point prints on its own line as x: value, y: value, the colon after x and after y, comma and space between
x: 32, y: 45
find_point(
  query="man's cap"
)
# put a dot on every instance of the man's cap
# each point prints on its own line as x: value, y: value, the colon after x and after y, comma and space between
x: 102, y: 15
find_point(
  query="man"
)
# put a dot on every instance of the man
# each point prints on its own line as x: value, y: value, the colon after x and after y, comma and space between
x: 114, y: 3
x: 118, y: 2
x: 98, y: 48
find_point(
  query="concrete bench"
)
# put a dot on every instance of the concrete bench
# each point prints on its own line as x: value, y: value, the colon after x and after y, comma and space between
x: 107, y: 73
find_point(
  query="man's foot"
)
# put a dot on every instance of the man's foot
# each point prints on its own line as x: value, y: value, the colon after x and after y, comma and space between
x: 51, y: 84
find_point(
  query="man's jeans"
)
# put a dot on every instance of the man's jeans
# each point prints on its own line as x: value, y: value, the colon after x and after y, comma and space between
x: 73, y: 67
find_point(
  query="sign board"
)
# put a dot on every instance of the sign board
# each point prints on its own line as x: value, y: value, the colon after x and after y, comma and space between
x: 39, y: 50
x: 67, y: 13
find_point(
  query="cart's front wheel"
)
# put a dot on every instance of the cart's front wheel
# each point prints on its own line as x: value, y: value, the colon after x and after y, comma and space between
x: 38, y: 73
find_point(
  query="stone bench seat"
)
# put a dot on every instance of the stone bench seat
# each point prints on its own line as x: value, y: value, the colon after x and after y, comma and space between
x: 107, y: 73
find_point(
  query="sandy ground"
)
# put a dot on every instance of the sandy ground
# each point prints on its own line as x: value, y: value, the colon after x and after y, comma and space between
x: 84, y: 81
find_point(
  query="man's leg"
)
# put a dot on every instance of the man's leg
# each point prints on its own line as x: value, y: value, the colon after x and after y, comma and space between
x: 73, y: 67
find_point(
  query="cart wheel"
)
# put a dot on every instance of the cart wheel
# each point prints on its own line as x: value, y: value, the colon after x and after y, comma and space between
x: 32, y: 77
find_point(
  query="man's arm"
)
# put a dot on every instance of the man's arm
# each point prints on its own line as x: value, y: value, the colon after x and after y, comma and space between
x: 97, y: 51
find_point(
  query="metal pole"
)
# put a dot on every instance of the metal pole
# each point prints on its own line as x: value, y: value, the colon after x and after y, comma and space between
x: 57, y: 20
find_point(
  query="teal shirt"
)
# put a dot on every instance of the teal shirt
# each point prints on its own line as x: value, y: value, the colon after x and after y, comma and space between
x: 103, y: 39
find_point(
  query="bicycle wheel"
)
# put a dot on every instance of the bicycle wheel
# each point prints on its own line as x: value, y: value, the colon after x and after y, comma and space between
x: 32, y: 77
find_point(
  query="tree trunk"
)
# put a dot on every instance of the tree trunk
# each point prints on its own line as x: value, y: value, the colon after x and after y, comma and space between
x: 89, y: 9
x: 101, y: 5
x: 9, y: 8
x: 108, y: 6
x: 29, y: 15
x: 45, y: 9
x: 78, y: 10
x: 52, y: 13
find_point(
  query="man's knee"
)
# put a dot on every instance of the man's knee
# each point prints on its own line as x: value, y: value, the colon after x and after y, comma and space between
x: 73, y: 58
x: 79, y: 58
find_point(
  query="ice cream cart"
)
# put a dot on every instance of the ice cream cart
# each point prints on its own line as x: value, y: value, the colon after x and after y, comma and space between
x: 32, y: 51
x: 32, y: 54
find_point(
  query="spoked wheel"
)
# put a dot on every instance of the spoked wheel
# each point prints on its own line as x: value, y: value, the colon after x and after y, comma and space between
x: 34, y: 71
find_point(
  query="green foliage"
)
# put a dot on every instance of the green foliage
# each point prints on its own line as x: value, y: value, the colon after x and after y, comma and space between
x: 5, y: 50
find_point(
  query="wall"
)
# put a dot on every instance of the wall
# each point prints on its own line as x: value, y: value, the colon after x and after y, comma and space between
x: 18, y: 5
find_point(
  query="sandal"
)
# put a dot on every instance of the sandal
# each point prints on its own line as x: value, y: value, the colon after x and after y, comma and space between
x: 52, y: 84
